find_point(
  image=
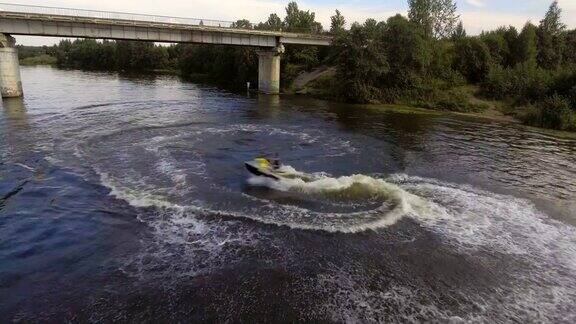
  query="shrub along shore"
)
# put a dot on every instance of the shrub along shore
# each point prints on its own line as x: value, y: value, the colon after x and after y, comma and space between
x: 424, y: 60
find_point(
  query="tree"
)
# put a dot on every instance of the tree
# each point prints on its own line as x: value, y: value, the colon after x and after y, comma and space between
x: 300, y: 21
x: 420, y: 13
x: 337, y: 23
x: 498, y: 46
x: 437, y: 18
x: 459, y: 32
x: 551, y: 38
x: 361, y: 64
x: 570, y: 47
x: 511, y: 35
x: 407, y: 50
x: 552, y: 22
x: 138, y: 56
x: 444, y: 18
x: 273, y: 23
x: 472, y: 59
x: 526, y: 48
x: 242, y: 24
x: 372, y: 28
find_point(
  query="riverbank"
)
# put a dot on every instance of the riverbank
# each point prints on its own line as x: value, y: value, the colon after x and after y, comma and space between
x: 463, y: 100
x: 43, y: 59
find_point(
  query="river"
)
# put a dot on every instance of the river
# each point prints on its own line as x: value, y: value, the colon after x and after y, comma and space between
x: 125, y: 198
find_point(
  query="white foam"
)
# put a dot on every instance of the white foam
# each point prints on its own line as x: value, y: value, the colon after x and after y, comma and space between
x: 177, y: 231
x: 464, y: 217
x: 138, y: 198
x: 478, y: 220
x: 24, y: 166
x: 395, y: 202
x: 359, y: 186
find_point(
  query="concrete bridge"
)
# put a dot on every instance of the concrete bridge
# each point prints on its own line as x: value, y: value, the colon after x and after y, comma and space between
x: 78, y: 23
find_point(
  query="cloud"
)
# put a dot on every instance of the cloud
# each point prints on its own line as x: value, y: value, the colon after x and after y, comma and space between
x: 477, y: 21
x: 475, y: 3
x: 479, y: 15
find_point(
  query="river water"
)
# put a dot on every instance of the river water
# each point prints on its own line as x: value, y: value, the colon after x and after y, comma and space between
x: 125, y: 198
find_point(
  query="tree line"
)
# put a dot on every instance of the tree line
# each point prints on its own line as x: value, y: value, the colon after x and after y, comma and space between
x: 425, y: 59
x: 221, y: 63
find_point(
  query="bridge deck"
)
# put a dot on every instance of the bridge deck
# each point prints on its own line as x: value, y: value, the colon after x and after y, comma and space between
x: 62, y: 22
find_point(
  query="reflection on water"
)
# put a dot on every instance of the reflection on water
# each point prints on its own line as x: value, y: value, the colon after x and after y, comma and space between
x: 130, y: 200
x: 15, y: 131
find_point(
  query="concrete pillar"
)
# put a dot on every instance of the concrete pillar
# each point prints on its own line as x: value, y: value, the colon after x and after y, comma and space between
x: 269, y: 70
x: 10, y: 81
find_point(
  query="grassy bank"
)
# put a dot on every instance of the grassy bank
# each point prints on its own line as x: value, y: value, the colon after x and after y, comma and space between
x: 43, y: 59
x: 323, y: 84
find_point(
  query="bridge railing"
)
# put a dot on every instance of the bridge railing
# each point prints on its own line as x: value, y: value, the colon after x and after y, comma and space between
x: 30, y: 9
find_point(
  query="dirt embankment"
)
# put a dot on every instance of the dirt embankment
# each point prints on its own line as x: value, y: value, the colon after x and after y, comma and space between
x: 305, y: 82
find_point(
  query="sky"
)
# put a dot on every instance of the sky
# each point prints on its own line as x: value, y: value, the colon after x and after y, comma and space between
x: 477, y: 15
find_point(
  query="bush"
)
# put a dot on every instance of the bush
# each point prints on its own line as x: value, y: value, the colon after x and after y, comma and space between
x: 572, y: 97
x: 524, y: 83
x: 554, y: 112
x: 43, y: 59
x: 472, y: 59
x: 564, y: 81
x: 457, y: 100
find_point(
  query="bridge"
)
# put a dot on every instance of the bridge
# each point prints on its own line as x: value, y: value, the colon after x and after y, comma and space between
x: 78, y: 23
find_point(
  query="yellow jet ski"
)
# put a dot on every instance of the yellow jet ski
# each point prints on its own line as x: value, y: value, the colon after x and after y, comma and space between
x: 264, y: 167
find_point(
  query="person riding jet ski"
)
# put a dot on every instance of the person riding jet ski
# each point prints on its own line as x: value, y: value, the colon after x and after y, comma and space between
x: 265, y: 167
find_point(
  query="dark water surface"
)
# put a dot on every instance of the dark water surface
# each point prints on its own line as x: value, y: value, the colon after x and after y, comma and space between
x: 126, y: 199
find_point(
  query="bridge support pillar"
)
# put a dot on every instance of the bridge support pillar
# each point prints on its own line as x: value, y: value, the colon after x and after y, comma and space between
x: 10, y: 81
x: 269, y: 70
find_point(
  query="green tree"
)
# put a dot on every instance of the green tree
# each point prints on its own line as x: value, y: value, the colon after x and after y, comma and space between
x: 420, y: 13
x: 551, y: 38
x: 526, y: 48
x: 498, y: 46
x: 133, y: 56
x: 445, y: 18
x: 472, y: 59
x: 408, y: 52
x: 459, y: 32
x: 440, y: 68
x: 337, y: 23
x: 511, y: 35
x: 301, y: 21
x: 361, y: 64
x: 242, y: 24
x: 552, y: 22
x: 273, y: 23
x: 570, y: 47
x: 437, y: 18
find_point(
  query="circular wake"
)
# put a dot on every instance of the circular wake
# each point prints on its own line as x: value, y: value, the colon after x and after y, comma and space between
x: 372, y: 203
x: 201, y: 172
x: 194, y: 179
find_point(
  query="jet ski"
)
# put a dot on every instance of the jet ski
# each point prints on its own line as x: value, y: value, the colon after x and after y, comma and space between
x: 264, y: 167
